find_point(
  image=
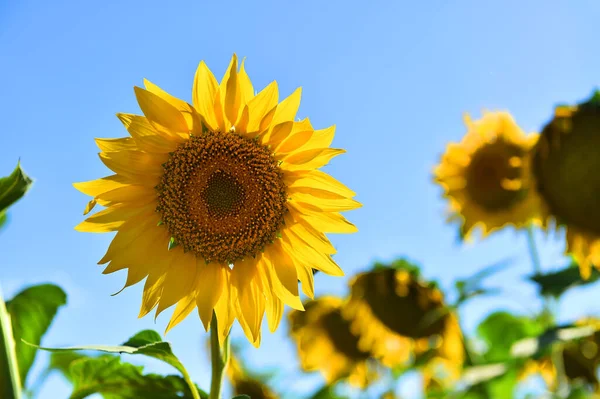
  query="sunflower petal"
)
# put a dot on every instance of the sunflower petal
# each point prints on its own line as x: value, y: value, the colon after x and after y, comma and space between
x: 159, y: 111
x: 209, y: 291
x: 203, y: 95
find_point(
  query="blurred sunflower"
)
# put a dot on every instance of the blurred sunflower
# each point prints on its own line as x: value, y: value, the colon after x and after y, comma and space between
x: 565, y: 165
x: 581, y: 360
x: 219, y: 204
x: 401, y: 319
x: 244, y: 384
x: 325, y: 343
x: 486, y: 176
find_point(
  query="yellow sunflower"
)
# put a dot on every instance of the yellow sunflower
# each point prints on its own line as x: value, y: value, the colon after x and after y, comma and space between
x: 565, y: 165
x: 486, y: 176
x: 400, y: 319
x: 581, y: 360
x: 244, y: 384
x: 325, y: 343
x: 219, y: 205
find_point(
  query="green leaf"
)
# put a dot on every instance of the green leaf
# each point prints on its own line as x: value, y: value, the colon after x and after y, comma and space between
x: 242, y: 397
x: 327, y: 392
x: 61, y: 361
x: 556, y: 283
x: 32, y: 311
x: 13, y: 187
x: 471, y: 286
x: 3, y: 219
x: 10, y: 383
x: 146, y: 343
x: 501, y: 330
x: 108, y: 376
x: 537, y: 346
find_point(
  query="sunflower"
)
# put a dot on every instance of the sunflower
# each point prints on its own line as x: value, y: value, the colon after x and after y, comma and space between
x: 581, y: 359
x: 219, y: 205
x: 245, y: 384
x: 565, y: 165
x: 325, y: 343
x: 486, y: 176
x: 403, y: 320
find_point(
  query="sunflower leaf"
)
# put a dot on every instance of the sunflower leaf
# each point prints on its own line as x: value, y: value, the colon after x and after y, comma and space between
x: 501, y: 330
x: 13, y: 187
x: 32, y: 311
x: 556, y: 283
x: 113, y: 379
x: 536, y: 346
x: 146, y: 342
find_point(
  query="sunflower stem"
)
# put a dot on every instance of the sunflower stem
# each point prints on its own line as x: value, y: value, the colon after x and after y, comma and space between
x: 533, y: 252
x: 219, y: 358
x: 10, y: 381
x: 562, y: 385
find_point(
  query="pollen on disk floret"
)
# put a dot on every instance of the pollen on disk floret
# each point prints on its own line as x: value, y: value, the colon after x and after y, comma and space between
x: 222, y: 196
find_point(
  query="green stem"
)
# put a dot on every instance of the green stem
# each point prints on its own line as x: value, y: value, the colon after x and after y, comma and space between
x: 218, y: 359
x: 533, y: 252
x: 562, y: 385
x: 10, y: 381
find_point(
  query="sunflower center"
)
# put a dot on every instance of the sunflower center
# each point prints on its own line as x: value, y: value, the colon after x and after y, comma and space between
x: 222, y: 196
x: 490, y: 174
x: 406, y: 308
x: 566, y: 166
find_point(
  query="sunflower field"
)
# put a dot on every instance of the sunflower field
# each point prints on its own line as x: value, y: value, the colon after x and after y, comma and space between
x: 452, y: 250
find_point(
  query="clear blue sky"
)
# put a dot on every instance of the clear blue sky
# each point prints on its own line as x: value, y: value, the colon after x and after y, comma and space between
x: 395, y: 76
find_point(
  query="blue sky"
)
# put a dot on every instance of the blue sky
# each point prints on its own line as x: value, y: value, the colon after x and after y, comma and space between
x: 395, y: 77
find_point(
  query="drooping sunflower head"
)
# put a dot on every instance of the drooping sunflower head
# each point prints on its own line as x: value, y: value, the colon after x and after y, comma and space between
x: 398, y: 316
x: 325, y: 343
x: 245, y: 384
x: 219, y: 204
x: 565, y: 165
x: 486, y: 176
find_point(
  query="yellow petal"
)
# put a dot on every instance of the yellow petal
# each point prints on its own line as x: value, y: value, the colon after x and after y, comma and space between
x: 283, y: 276
x: 152, y: 291
x: 320, y: 139
x: 231, y: 92
x: 136, y: 253
x: 287, y: 109
x: 274, y: 310
x: 158, y: 111
x: 129, y: 231
x: 120, y: 144
x: 245, y: 84
x: 311, y: 159
x: 324, y: 204
x: 147, y: 137
x: 260, y: 105
x: 184, y: 307
x: 179, y: 104
x: 209, y: 291
x: 313, y: 237
x: 137, y: 166
x: 89, y: 206
x: 109, y: 219
x: 308, y: 256
x: 294, y: 141
x: 225, y: 310
x: 99, y: 186
x: 277, y: 134
x: 315, y: 179
x: 326, y: 222
x: 251, y: 310
x: 203, y: 95
x: 128, y: 193
x: 180, y: 279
